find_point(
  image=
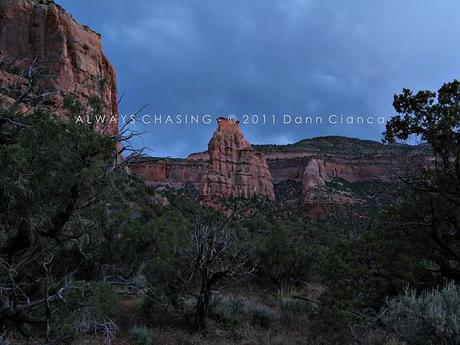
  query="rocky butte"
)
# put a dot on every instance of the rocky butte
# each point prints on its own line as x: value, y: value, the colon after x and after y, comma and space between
x: 66, y: 56
x: 230, y: 168
x: 236, y: 170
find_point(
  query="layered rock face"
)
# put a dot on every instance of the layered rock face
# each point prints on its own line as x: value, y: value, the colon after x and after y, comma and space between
x: 287, y: 166
x: 315, y: 194
x: 67, y: 56
x: 172, y: 173
x: 312, y: 171
x: 236, y: 169
x: 314, y: 175
x: 230, y: 168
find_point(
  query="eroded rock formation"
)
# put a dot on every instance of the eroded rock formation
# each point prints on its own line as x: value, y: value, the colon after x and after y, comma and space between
x: 68, y: 55
x: 236, y: 169
x: 285, y: 166
x: 303, y: 174
x: 174, y: 173
x: 229, y: 169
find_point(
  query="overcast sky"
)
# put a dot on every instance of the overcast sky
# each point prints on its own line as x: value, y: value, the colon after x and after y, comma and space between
x: 298, y: 57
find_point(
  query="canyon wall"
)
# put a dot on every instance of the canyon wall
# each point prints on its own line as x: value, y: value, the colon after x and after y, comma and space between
x: 66, y: 59
x: 231, y: 167
x: 172, y: 173
x: 352, y: 169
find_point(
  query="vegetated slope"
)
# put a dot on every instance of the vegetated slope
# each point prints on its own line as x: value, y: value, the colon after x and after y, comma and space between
x: 339, y: 145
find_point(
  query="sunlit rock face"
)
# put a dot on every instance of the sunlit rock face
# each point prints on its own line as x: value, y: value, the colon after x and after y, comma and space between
x: 237, y: 171
x: 69, y: 57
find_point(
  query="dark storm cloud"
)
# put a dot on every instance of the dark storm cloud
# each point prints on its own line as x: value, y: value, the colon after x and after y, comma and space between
x: 271, y: 56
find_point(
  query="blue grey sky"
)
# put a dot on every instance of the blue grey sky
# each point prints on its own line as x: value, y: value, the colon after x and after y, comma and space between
x: 298, y: 57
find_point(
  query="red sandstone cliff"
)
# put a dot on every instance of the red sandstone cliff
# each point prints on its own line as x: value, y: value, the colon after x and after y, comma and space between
x: 172, y: 173
x: 236, y: 169
x: 217, y: 172
x: 230, y: 168
x: 69, y: 56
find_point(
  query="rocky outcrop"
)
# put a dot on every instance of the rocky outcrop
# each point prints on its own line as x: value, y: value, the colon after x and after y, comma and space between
x: 229, y: 169
x: 66, y: 56
x: 314, y: 176
x: 315, y: 194
x: 175, y: 173
x: 353, y: 169
x: 313, y: 182
x: 236, y: 169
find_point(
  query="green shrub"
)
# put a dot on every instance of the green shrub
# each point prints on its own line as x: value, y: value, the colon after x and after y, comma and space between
x: 233, y: 311
x: 89, y: 308
x: 228, y: 310
x: 104, y: 302
x: 261, y: 314
x: 226, y: 307
x: 431, y: 318
x: 73, y: 106
x: 293, y: 308
x: 141, y: 335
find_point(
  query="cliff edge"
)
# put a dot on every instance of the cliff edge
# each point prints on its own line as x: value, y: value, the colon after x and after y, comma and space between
x: 67, y: 55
